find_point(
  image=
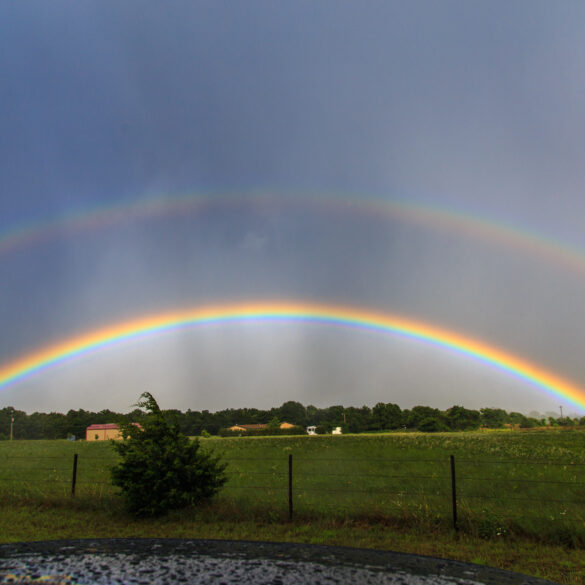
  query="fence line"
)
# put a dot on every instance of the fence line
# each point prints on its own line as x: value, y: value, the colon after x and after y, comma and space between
x: 448, y: 485
x: 516, y: 499
x: 522, y: 480
x: 523, y: 461
x: 19, y: 479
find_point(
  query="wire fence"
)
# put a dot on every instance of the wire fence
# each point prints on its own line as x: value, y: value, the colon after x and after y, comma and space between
x: 443, y: 488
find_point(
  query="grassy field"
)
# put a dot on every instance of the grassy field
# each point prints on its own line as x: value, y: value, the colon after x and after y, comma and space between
x: 521, y: 495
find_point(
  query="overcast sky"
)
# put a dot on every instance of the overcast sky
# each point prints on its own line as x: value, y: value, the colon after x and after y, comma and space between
x: 473, y: 108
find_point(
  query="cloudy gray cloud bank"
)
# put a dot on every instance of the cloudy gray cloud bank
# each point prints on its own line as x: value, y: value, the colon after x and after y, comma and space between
x: 474, y: 108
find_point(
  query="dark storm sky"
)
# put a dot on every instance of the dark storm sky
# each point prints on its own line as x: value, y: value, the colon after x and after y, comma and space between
x: 473, y: 108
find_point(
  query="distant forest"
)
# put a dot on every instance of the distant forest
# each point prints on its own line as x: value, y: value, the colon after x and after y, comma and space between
x: 351, y: 419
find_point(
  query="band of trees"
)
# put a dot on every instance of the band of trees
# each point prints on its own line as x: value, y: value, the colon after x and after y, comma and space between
x: 383, y: 416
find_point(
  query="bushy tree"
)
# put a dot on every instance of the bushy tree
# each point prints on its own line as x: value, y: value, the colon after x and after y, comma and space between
x: 462, y: 419
x: 493, y: 418
x: 294, y: 413
x: 162, y: 469
x: 418, y: 414
x: 387, y: 416
x: 432, y: 424
x: 274, y: 424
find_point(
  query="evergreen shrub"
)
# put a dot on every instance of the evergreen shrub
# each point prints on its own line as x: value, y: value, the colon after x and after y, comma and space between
x: 162, y: 469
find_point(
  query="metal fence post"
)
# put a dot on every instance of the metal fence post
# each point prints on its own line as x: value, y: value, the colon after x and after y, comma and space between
x: 453, y: 493
x: 74, y: 479
x: 290, y: 492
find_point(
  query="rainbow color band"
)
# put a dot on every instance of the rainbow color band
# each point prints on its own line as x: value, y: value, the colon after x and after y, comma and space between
x: 425, y: 216
x: 292, y: 311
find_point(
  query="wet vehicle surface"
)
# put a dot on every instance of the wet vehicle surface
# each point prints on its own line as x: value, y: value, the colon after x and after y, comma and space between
x: 172, y: 561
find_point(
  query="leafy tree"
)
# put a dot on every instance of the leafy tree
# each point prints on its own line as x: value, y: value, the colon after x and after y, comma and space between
x: 419, y: 413
x: 463, y: 419
x: 312, y: 415
x: 77, y: 421
x: 529, y: 423
x: 162, y: 469
x: 19, y: 422
x: 332, y: 416
x: 516, y: 418
x: 387, y: 416
x: 493, y: 418
x: 294, y: 413
x: 274, y: 424
x: 358, y: 420
x: 432, y: 424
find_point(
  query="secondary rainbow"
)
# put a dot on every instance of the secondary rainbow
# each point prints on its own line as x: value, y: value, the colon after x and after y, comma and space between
x: 382, y: 322
x: 428, y: 217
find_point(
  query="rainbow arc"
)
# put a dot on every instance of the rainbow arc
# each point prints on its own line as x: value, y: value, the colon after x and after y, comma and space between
x: 427, y: 217
x: 324, y: 314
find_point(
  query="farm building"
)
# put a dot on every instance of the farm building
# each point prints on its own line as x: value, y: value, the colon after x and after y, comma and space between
x: 257, y: 427
x: 104, y: 432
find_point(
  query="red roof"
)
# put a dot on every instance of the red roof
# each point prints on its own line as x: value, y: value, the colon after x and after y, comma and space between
x: 102, y: 427
x: 107, y: 426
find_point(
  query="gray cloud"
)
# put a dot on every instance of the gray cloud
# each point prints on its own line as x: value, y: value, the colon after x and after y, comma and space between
x: 469, y: 107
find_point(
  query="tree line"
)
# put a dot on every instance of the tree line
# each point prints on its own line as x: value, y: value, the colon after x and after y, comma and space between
x: 381, y: 417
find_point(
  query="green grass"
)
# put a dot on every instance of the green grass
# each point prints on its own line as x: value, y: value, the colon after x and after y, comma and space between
x: 377, y: 491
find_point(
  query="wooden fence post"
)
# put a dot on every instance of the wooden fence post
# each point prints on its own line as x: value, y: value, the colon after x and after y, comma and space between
x: 453, y: 493
x: 74, y: 479
x: 290, y: 492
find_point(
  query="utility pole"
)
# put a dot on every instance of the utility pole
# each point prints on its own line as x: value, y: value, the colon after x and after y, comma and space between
x: 561, y: 413
x: 11, y: 423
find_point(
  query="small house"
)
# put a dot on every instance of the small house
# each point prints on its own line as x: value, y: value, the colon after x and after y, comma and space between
x: 257, y: 427
x: 104, y: 432
x: 244, y: 428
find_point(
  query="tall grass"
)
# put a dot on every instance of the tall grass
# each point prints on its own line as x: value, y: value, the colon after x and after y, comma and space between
x: 529, y: 484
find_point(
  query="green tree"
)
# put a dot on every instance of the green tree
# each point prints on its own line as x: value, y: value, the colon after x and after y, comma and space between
x: 294, y: 413
x: 312, y: 415
x: 516, y: 418
x: 357, y: 420
x: 463, y: 419
x: 162, y: 469
x: 432, y: 424
x: 420, y: 413
x: 274, y: 425
x: 76, y: 421
x: 493, y: 418
x: 387, y: 416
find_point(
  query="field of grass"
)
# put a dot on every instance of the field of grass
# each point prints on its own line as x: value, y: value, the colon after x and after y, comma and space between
x: 521, y: 495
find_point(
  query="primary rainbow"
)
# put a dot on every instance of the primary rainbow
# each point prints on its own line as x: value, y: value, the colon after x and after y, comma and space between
x: 293, y: 311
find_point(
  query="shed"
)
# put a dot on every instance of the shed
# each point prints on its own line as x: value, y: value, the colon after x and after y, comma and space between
x: 104, y: 432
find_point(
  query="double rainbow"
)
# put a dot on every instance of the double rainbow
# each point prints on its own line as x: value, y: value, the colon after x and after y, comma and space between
x: 305, y: 312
